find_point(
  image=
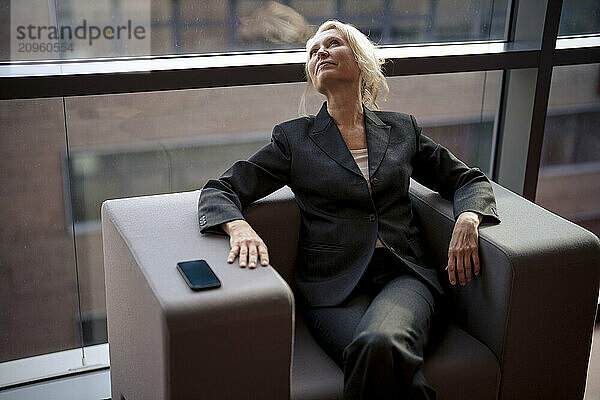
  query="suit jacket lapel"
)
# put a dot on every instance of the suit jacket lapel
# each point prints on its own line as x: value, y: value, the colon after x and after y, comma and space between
x: 327, y: 136
x: 378, y: 138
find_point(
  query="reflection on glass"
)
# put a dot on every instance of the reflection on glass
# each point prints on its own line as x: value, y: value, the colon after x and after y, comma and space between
x: 161, y: 168
x: 579, y: 17
x: 184, y: 27
x: 569, y: 177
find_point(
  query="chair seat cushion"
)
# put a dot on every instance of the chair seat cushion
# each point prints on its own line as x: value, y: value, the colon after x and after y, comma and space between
x: 314, y: 374
x: 457, y: 365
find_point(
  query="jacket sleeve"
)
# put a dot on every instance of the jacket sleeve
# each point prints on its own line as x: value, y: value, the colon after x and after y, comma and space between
x: 437, y: 168
x: 222, y: 200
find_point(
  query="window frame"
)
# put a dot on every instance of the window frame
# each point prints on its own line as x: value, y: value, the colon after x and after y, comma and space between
x: 526, y: 57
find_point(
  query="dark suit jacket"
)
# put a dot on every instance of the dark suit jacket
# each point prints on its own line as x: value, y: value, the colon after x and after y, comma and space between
x: 340, y: 218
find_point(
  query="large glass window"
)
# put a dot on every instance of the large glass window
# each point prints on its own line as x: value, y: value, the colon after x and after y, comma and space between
x: 579, y: 17
x: 158, y: 142
x: 172, y: 141
x: 54, y: 180
x: 192, y: 27
x: 38, y: 286
x: 569, y: 177
x: 457, y: 110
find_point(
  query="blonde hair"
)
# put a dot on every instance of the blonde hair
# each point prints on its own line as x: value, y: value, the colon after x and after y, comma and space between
x: 371, y: 75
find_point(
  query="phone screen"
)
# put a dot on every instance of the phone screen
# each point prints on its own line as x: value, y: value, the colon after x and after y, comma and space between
x: 198, y: 275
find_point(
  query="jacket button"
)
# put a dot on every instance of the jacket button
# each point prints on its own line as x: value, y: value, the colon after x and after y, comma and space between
x: 372, y: 217
x: 374, y: 181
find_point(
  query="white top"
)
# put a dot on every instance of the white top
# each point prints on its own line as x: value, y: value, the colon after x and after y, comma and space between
x: 361, y: 156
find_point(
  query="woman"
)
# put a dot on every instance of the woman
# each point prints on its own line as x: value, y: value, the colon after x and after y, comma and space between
x: 368, y: 292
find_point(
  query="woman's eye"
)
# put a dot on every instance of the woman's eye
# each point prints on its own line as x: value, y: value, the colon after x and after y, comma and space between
x: 334, y: 41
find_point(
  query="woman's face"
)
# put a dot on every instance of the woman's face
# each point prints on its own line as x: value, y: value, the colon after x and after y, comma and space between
x: 331, y: 61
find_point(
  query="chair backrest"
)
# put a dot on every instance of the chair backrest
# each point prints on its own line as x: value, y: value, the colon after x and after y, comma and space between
x: 276, y: 219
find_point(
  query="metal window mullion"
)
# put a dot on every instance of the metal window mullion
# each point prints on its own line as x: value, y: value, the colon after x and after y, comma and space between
x: 524, y: 97
x: 542, y: 93
x: 575, y: 56
x: 144, y: 81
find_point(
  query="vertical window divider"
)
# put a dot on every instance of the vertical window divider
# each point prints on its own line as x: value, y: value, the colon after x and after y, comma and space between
x: 542, y: 93
x: 79, y: 325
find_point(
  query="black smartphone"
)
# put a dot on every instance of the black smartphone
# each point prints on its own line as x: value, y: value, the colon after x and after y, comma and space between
x: 198, y: 275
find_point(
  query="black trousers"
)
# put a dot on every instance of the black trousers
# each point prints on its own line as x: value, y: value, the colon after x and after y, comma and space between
x: 378, y: 334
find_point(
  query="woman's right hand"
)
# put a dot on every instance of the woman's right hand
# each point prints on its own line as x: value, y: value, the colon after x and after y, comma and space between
x: 246, y: 243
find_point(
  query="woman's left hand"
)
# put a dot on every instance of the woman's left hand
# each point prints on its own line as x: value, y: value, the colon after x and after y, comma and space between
x: 464, y: 247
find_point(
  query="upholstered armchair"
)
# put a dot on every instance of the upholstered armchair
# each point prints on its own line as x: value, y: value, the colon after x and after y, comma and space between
x: 521, y: 330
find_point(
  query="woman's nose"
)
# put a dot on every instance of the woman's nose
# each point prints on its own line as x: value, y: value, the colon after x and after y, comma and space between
x: 322, y: 53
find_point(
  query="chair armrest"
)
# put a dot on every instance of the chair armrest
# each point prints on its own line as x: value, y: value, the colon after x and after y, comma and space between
x: 534, y: 303
x: 167, y: 341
